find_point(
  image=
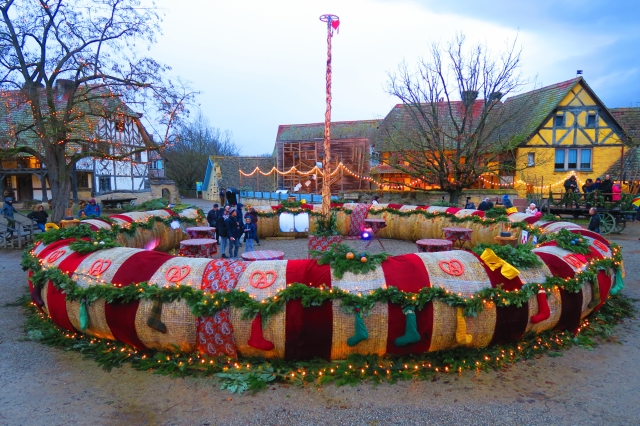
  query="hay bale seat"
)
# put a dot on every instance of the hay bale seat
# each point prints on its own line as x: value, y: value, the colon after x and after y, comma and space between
x: 317, y: 331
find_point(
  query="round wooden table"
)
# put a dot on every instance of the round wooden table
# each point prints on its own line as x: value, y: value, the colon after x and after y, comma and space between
x: 457, y: 235
x: 198, y: 247
x: 375, y: 225
x: 250, y: 256
x: 431, y: 245
x: 201, y: 232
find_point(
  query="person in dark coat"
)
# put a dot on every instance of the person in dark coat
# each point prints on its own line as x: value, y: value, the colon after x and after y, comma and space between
x: 606, y: 187
x: 92, y: 208
x: 7, y: 211
x: 588, y: 186
x: 470, y: 204
x: 232, y: 200
x: 39, y: 216
x: 597, y: 185
x: 485, y: 205
x: 235, y: 232
x: 594, y: 222
x: 249, y: 234
x: 221, y: 231
x: 222, y: 197
x: 253, y: 214
x: 506, y: 202
x: 212, y: 219
x: 240, y: 217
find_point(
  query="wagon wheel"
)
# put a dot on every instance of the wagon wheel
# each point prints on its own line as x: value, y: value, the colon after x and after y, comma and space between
x: 132, y: 202
x: 607, y: 222
x: 119, y: 205
x: 621, y: 223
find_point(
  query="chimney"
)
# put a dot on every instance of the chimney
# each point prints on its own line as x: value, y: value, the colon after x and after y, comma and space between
x: 64, y: 85
x: 469, y: 97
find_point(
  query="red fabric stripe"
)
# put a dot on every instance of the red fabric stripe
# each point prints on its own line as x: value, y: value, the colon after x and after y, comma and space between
x: 407, y: 273
x: 171, y: 212
x: 309, y: 331
x: 121, y: 317
x: 479, y: 213
x: 56, y: 301
x: 533, y: 219
x: 604, y: 283
x: 452, y: 210
x: 54, y: 246
x: 121, y: 216
x: 593, y: 235
x: 422, y: 207
x: 394, y: 206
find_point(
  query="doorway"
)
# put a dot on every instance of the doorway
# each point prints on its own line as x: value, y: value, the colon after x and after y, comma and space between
x: 25, y: 187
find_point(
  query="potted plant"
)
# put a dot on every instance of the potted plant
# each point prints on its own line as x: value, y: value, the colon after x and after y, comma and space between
x: 325, y: 233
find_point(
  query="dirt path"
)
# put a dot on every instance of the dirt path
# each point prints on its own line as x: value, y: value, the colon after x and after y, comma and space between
x: 46, y: 386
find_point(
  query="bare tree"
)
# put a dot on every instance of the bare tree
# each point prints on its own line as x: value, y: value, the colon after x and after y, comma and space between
x: 64, y: 66
x: 197, y: 140
x: 452, y: 127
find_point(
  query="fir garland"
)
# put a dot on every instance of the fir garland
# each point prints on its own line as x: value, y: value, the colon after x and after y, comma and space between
x: 254, y: 374
x: 520, y: 256
x: 342, y: 259
x: 568, y: 241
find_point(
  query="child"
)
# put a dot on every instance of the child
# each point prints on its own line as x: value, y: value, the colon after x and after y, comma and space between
x: 249, y: 234
x: 594, y: 222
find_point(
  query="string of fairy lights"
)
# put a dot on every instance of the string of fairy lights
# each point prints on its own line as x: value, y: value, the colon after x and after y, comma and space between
x: 341, y: 166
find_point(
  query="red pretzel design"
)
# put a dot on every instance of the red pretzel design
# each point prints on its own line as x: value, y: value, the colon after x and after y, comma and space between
x: 56, y: 255
x: 265, y: 280
x: 573, y: 260
x: 453, y: 267
x: 99, y: 266
x: 177, y: 273
x: 601, y: 246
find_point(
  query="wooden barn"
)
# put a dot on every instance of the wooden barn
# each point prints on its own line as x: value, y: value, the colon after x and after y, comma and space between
x: 301, y: 146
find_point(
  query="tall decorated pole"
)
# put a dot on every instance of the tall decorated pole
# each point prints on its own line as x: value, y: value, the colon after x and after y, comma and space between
x: 332, y: 24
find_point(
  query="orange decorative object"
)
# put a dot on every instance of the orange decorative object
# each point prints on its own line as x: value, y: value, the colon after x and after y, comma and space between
x: 177, y: 273
x: 350, y: 255
x: 56, y: 255
x: 452, y: 267
x: 601, y: 246
x: 99, y: 266
x: 265, y: 279
x: 573, y: 260
x: 363, y: 259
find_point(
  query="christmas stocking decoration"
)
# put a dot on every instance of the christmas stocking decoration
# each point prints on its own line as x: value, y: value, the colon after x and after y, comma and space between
x: 543, y: 308
x: 461, y: 329
x: 411, y: 328
x: 36, y: 297
x: 154, y: 320
x: 361, y: 331
x: 83, y: 315
x: 595, y: 295
x: 618, y: 283
x: 257, y: 340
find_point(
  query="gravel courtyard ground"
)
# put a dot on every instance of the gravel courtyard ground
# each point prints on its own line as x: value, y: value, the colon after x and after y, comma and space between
x: 47, y: 386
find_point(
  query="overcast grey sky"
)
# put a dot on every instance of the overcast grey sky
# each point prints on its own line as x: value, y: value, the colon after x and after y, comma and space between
x: 259, y: 64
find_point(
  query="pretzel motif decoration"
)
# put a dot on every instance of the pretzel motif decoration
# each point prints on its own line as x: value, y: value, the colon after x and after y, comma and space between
x: 56, y: 255
x: 452, y: 267
x: 573, y: 260
x: 601, y: 246
x: 99, y: 266
x: 177, y: 273
x: 265, y: 279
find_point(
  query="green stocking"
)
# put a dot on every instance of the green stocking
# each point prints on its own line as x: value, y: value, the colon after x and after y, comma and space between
x: 83, y: 315
x: 411, y: 329
x: 361, y: 331
x: 595, y: 295
x: 618, y: 283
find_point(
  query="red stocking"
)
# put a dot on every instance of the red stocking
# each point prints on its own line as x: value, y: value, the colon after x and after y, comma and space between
x: 257, y: 339
x: 543, y: 308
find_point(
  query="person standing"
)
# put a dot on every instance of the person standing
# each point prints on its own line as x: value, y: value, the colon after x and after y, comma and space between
x: 249, y: 234
x: 7, y: 211
x: 532, y: 209
x: 485, y: 205
x: 253, y: 214
x: 39, y: 216
x: 222, y: 232
x: 234, y: 231
x: 212, y: 218
x: 470, y: 204
x: 232, y: 200
x: 588, y: 186
x: 221, y: 194
x: 594, y: 222
x: 616, y: 190
x: 375, y: 199
x: 606, y: 187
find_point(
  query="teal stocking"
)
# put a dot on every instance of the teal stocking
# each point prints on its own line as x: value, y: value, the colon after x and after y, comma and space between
x: 361, y: 331
x: 618, y: 283
x: 83, y: 315
x: 411, y: 329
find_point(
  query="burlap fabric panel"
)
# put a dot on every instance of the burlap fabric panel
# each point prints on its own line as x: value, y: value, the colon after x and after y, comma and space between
x: 275, y: 331
x: 468, y: 277
x: 97, y: 319
x: 481, y: 328
x: 587, y: 295
x: 555, y: 308
x: 376, y: 322
x: 56, y: 257
x: 360, y: 283
x: 518, y: 217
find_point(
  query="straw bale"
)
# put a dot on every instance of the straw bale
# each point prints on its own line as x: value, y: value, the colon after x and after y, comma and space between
x: 98, y: 326
x: 260, y: 268
x: 558, y: 252
x: 557, y: 226
x: 538, y: 275
x: 117, y: 256
x: 587, y: 296
x: 180, y: 323
x: 555, y: 307
x: 344, y: 327
x: 360, y: 283
x: 194, y: 267
x: 438, y: 209
x: 465, y: 212
x: 473, y: 279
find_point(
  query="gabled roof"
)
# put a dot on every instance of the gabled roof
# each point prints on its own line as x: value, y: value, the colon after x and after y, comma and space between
x: 629, y: 119
x: 230, y: 167
x: 315, y: 131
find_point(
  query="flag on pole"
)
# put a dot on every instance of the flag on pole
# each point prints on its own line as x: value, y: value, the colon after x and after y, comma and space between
x: 636, y: 202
